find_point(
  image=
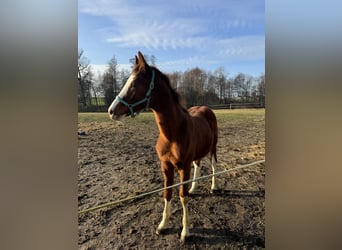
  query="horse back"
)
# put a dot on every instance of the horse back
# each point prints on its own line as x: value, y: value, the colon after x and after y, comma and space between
x: 205, y: 113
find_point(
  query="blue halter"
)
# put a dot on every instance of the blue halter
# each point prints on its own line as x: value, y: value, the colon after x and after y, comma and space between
x: 146, y: 99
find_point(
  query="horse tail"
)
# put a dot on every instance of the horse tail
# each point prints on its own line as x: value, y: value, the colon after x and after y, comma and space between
x: 213, y: 124
x: 215, y: 138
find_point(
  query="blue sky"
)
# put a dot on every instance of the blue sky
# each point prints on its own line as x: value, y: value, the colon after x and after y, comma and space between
x: 180, y: 34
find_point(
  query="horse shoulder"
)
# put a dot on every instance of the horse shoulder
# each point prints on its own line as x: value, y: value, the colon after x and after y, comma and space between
x: 162, y: 147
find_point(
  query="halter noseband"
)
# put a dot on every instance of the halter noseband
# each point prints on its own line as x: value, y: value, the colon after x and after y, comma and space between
x: 146, y: 99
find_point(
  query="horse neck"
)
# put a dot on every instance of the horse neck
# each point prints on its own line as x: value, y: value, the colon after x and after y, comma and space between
x: 169, y: 122
x: 169, y: 115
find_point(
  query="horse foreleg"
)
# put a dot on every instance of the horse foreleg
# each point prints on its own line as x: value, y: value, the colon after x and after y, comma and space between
x: 213, y: 166
x: 185, y: 220
x: 166, y: 216
x: 196, y: 175
x: 168, y: 174
x: 184, y: 198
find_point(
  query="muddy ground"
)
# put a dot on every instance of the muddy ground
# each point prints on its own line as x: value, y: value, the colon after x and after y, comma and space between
x: 119, y: 160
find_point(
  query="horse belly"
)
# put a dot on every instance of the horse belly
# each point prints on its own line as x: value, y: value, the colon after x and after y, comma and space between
x: 201, y: 152
x: 200, y: 146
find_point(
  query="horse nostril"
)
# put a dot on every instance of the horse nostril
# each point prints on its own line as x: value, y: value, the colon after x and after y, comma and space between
x: 110, y: 111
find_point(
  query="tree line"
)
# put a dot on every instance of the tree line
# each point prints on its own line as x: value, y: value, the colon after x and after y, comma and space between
x: 197, y: 86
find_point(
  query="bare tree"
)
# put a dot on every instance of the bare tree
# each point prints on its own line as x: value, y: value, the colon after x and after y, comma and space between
x: 210, y: 95
x: 196, y: 85
x: 107, y: 87
x: 175, y: 79
x: 113, y: 70
x: 123, y: 77
x: 84, y: 77
x: 248, y: 88
x: 220, y: 82
x: 229, y: 90
x: 194, y: 81
x: 239, y: 82
x: 97, y: 89
x: 261, y: 90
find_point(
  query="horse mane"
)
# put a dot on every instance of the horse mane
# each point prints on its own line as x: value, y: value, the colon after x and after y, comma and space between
x: 176, y: 97
x: 164, y: 77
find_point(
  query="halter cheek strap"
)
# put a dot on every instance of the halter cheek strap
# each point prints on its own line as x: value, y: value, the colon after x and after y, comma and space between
x: 146, y: 99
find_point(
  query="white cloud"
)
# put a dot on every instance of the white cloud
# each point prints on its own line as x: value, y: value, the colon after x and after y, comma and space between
x: 210, y: 32
x: 245, y: 47
x: 166, y: 25
x: 160, y: 34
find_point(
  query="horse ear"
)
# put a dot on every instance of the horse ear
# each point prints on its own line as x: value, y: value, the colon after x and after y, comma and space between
x: 141, y: 61
x: 136, y: 60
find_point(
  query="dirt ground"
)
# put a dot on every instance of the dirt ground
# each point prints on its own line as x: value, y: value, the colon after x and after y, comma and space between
x: 119, y: 160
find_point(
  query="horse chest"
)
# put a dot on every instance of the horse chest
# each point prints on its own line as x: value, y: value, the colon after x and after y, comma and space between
x: 171, y: 152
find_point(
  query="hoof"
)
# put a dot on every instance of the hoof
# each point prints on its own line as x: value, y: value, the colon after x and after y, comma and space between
x: 214, y: 191
x: 160, y: 231
x: 184, y: 236
x: 184, y: 239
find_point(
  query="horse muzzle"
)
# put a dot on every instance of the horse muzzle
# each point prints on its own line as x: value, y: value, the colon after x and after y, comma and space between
x: 117, y: 111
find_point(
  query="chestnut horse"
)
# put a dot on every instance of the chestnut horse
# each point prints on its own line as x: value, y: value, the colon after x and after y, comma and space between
x: 185, y: 136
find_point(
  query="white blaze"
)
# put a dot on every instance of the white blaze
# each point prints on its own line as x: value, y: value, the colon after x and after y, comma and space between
x: 123, y: 92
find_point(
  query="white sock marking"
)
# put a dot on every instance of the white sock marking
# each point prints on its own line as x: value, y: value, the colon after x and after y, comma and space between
x: 196, y: 175
x: 213, y: 166
x: 166, y: 215
x: 185, y: 231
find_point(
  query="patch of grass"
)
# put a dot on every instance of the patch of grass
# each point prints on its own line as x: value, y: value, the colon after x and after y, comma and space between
x: 100, y: 101
x: 239, y: 115
x: 223, y: 116
x: 103, y: 117
x: 93, y: 117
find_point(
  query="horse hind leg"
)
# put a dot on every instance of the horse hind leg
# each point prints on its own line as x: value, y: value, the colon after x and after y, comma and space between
x: 213, y: 167
x: 196, y: 175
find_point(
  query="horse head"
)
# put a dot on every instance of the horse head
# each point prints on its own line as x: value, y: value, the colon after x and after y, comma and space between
x: 135, y: 95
